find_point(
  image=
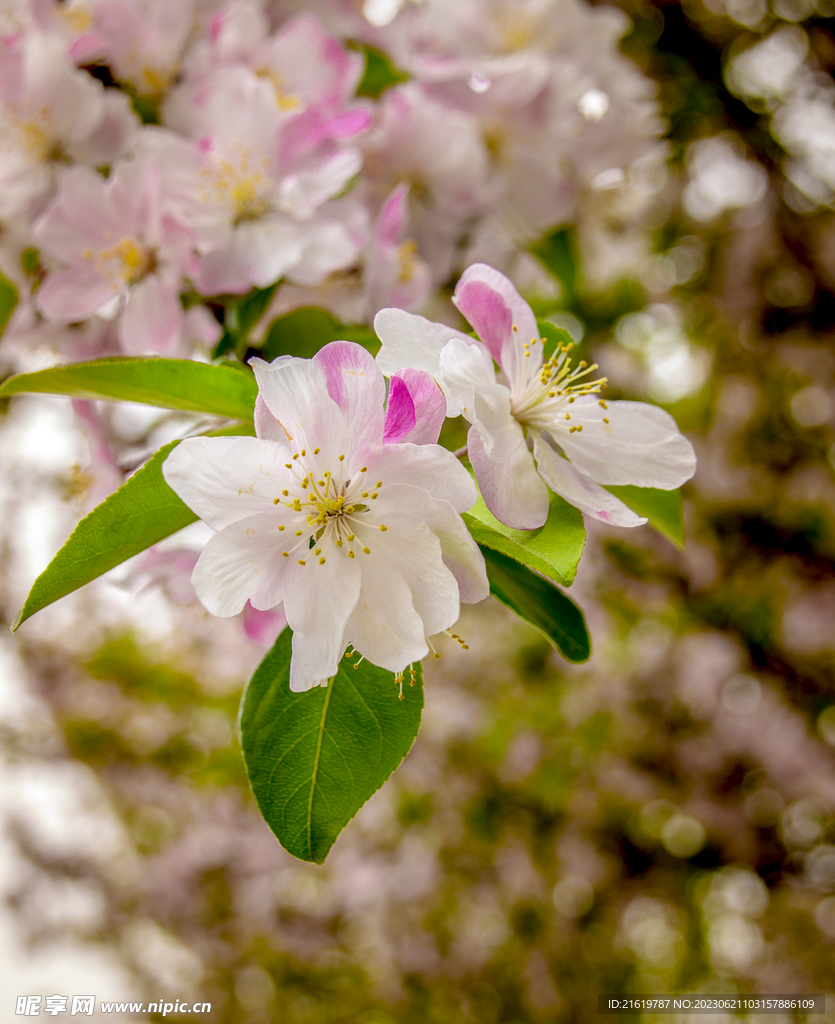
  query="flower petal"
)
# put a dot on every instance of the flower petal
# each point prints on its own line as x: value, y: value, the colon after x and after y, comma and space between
x: 295, y: 392
x: 460, y: 552
x: 429, y: 466
x: 385, y: 627
x: 465, y: 367
x: 317, y: 607
x: 512, y: 489
x: 500, y: 433
x: 267, y: 426
x: 427, y: 404
x: 579, y: 490
x: 152, y: 320
x: 503, y: 321
x: 74, y: 294
x: 356, y: 383
x: 410, y: 340
x: 640, y: 445
x: 244, y: 562
x: 226, y: 479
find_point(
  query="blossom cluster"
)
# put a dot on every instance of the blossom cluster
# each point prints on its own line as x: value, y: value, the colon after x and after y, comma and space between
x: 155, y: 157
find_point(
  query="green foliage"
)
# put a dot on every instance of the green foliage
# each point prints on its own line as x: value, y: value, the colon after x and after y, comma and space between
x: 553, y: 550
x: 141, y: 513
x: 314, y: 758
x: 554, y: 337
x: 662, y: 509
x: 380, y: 73
x: 558, y: 253
x: 540, y: 603
x: 304, y: 331
x: 8, y: 301
x: 222, y: 390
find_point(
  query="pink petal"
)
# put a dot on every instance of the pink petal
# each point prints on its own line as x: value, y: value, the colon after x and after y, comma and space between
x: 152, y: 320
x: 263, y: 626
x: 428, y: 408
x: 74, y: 294
x: 400, y: 412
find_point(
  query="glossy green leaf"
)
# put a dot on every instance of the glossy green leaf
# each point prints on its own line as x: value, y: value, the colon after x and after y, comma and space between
x: 314, y: 758
x: 304, y: 331
x: 380, y: 74
x: 662, y: 508
x: 553, y: 336
x: 8, y: 301
x: 554, y: 549
x: 540, y: 603
x: 558, y: 252
x: 141, y: 513
x: 223, y: 390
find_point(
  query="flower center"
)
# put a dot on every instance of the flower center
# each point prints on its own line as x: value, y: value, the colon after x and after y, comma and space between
x: 558, y: 385
x: 240, y: 184
x: 335, y: 508
x: 127, y: 261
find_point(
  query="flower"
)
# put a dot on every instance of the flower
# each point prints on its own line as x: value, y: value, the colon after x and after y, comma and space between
x: 342, y: 510
x: 540, y: 411
x: 124, y: 256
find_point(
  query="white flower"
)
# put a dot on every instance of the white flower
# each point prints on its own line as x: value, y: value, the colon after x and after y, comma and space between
x: 524, y: 425
x: 346, y: 512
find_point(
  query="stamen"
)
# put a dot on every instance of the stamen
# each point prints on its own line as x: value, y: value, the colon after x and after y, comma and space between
x: 383, y: 528
x: 367, y: 551
x: 281, y: 527
x: 302, y: 562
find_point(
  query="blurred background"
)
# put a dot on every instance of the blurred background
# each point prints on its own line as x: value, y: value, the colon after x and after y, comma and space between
x: 659, y: 819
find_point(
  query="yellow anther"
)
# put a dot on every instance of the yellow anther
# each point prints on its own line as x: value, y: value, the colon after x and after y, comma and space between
x: 572, y: 400
x: 364, y: 469
x: 567, y: 416
x: 321, y: 561
x: 515, y: 328
x: 327, y: 474
x: 350, y: 554
x: 579, y: 427
x: 321, y: 483
x: 383, y: 528
x: 367, y: 551
x: 304, y: 452
x: 602, y: 404
x: 379, y: 483
x: 465, y: 647
x: 437, y: 655
x: 374, y: 495
x: 302, y: 562
x: 317, y: 551
x: 286, y: 554
x: 364, y: 494
x: 350, y: 536
x: 341, y: 458
x: 339, y: 542
x: 605, y: 420
x: 288, y: 465
x: 285, y: 493
x: 315, y: 451
x: 299, y: 533
x: 296, y: 455
x: 276, y: 501
x: 282, y: 527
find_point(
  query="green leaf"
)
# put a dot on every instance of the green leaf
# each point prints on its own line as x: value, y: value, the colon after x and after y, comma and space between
x: 558, y: 252
x: 141, y: 513
x: 314, y: 758
x: 662, y: 509
x: 380, y: 74
x: 304, y: 331
x: 540, y: 603
x: 224, y: 390
x: 554, y: 336
x: 8, y: 301
x: 554, y: 549
x: 251, y: 308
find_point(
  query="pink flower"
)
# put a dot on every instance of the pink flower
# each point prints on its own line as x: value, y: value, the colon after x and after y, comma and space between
x: 395, y: 275
x: 51, y: 114
x: 124, y: 256
x: 252, y: 185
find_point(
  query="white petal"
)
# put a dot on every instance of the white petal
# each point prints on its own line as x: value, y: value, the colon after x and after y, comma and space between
x: 500, y: 434
x: 295, y: 392
x: 465, y: 366
x: 243, y: 562
x: 512, y: 489
x: 640, y: 445
x: 460, y: 552
x: 429, y: 466
x: 413, y: 341
x: 317, y: 607
x: 581, y: 491
x: 384, y: 627
x: 224, y: 479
